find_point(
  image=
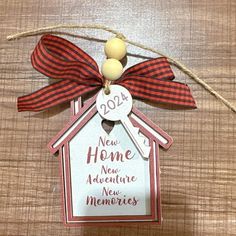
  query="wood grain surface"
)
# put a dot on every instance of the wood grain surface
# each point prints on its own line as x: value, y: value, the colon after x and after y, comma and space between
x: 198, y: 176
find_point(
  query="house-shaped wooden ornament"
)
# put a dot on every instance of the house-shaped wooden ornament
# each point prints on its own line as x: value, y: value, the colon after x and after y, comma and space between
x: 105, y: 180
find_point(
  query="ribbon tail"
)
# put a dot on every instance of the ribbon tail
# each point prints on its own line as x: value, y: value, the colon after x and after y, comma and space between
x: 52, y: 95
x: 158, y: 91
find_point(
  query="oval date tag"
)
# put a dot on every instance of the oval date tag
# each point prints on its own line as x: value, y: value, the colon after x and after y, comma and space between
x: 115, y: 105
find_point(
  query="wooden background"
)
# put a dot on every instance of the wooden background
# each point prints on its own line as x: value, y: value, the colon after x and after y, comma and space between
x: 198, y: 172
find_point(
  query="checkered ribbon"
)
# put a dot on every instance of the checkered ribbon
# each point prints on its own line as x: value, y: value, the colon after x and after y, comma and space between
x: 78, y: 74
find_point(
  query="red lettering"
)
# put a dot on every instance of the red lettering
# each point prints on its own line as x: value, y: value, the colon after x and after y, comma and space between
x: 109, y: 192
x: 107, y: 170
x: 127, y: 155
x: 103, y: 155
x: 106, y: 142
x: 89, y: 155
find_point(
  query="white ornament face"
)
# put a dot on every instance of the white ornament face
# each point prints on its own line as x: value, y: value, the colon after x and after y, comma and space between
x: 116, y: 105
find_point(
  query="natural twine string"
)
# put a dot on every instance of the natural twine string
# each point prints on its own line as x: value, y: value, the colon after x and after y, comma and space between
x: 173, y: 61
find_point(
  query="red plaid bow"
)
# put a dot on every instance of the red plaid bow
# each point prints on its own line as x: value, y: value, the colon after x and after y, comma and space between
x: 58, y: 58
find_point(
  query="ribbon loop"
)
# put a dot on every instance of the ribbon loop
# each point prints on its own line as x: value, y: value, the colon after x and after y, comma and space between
x: 155, y: 68
x: 58, y: 58
x: 159, y: 91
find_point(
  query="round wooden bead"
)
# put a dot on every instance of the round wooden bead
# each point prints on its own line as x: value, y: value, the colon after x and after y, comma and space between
x: 112, y: 69
x: 115, y: 48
